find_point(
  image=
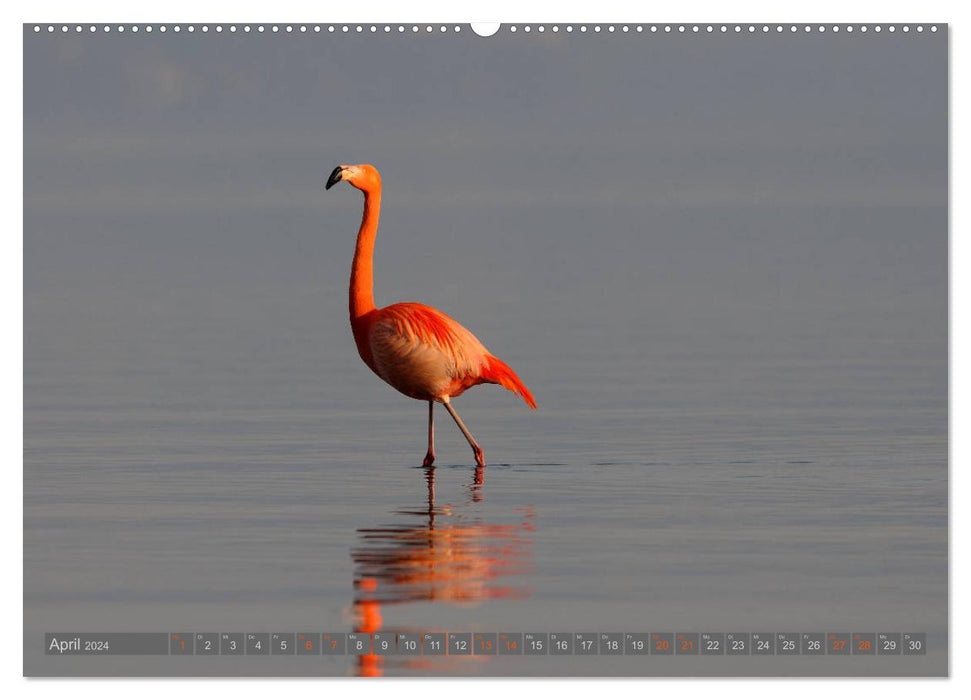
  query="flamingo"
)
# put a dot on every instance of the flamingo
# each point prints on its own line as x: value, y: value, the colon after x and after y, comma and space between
x: 418, y: 350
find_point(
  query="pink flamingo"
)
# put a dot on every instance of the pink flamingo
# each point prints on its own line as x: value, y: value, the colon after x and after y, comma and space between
x: 418, y: 350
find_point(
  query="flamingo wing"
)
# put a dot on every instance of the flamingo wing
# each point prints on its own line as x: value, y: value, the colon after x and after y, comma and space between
x: 428, y: 355
x: 424, y: 353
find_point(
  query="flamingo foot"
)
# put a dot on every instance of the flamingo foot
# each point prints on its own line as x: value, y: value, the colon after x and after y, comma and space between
x: 429, y: 460
x: 479, y: 456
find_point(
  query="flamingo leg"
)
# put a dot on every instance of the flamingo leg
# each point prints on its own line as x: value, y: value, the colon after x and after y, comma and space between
x: 476, y: 450
x: 430, y: 455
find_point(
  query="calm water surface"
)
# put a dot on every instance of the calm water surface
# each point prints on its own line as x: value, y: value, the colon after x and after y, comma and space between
x: 684, y: 487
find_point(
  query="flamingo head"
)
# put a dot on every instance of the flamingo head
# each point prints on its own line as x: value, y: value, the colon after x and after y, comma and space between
x: 364, y: 177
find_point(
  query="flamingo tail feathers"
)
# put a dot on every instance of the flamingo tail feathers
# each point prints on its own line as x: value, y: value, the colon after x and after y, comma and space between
x: 498, y: 372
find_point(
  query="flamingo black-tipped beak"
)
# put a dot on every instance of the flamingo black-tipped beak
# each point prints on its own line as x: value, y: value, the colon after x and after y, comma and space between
x: 335, y: 177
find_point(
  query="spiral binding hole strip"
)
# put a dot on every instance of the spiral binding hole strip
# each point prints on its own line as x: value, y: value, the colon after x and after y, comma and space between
x: 616, y: 29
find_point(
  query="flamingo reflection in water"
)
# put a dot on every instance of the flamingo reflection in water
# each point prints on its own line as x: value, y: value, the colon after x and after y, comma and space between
x: 440, y: 553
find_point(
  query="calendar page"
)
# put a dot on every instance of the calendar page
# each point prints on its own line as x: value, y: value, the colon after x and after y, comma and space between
x: 513, y: 350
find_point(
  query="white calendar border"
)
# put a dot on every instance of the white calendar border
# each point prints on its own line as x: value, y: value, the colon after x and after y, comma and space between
x: 435, y: 11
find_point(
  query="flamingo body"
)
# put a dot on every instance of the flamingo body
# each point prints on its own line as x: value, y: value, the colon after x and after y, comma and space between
x: 420, y: 351
x: 429, y: 356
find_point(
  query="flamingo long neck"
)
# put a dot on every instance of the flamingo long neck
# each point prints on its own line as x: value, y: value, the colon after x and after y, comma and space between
x: 362, y: 269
